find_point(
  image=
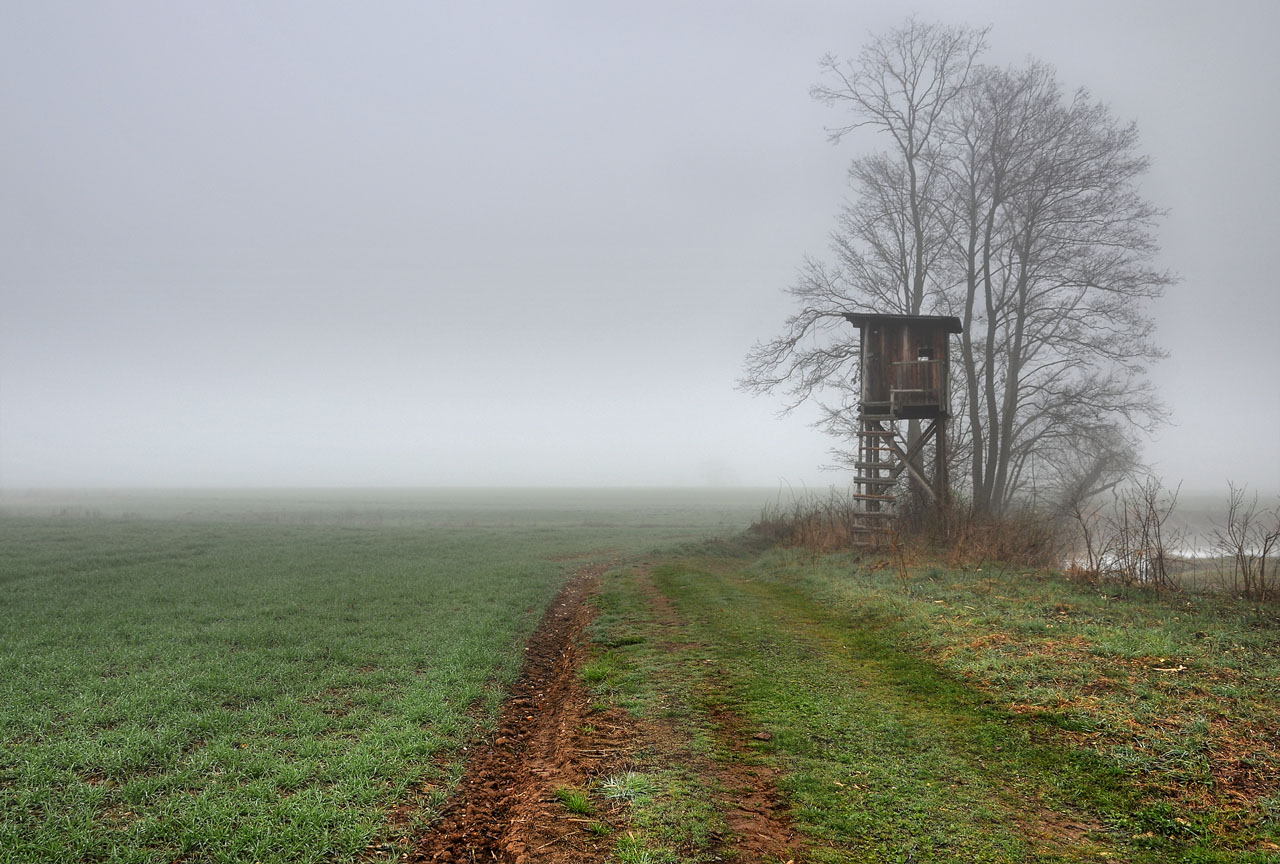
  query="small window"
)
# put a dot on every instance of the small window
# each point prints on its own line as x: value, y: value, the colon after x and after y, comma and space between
x: 924, y: 352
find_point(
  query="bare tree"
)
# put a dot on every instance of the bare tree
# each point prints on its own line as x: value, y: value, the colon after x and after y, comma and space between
x: 1248, y: 540
x: 1065, y: 280
x: 888, y: 239
x: 1095, y: 461
x: 1015, y: 208
x: 902, y: 85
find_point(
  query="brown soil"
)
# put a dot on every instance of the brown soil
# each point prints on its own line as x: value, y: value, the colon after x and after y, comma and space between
x: 759, y: 828
x: 551, y: 738
x: 505, y: 808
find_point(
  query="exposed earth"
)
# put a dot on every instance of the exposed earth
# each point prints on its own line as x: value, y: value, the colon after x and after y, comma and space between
x: 553, y: 735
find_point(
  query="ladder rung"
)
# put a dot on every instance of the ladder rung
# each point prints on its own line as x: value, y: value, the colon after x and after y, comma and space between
x: 866, y: 432
x: 876, y: 481
x: 883, y: 466
x: 867, y: 497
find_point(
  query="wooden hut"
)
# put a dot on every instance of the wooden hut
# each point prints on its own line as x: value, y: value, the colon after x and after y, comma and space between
x: 905, y: 365
x: 905, y: 368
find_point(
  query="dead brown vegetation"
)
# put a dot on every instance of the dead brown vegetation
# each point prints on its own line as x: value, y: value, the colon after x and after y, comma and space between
x: 961, y: 534
x: 828, y: 524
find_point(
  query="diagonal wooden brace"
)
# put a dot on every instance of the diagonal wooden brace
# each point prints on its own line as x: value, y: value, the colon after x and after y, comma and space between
x: 906, y: 459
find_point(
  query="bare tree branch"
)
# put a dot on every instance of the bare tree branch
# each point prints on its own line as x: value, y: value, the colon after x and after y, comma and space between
x: 1015, y: 207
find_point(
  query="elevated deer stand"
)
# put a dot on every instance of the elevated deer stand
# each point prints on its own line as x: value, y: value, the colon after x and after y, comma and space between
x: 905, y: 369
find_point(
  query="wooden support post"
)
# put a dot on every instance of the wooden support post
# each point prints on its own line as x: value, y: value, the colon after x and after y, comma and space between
x: 941, y: 477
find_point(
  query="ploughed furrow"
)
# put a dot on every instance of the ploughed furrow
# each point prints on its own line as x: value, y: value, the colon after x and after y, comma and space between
x: 506, y: 808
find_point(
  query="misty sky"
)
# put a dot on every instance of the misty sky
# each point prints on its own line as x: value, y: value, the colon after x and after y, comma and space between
x: 511, y: 243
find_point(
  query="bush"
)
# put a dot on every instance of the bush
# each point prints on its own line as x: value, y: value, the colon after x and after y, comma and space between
x: 1024, y: 537
x: 1247, y: 542
x: 829, y: 524
x: 1131, y: 544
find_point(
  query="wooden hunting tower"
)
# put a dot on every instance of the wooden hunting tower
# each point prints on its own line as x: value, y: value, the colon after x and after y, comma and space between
x: 905, y: 365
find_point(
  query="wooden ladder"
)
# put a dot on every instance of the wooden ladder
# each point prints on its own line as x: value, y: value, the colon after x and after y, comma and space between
x: 875, y: 474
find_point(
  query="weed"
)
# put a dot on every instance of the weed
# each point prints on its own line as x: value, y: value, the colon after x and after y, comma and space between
x: 574, y: 800
x: 635, y: 855
x: 627, y: 787
x: 596, y: 672
x: 633, y: 849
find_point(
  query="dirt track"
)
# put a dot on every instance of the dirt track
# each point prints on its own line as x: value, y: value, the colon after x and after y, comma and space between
x: 549, y: 737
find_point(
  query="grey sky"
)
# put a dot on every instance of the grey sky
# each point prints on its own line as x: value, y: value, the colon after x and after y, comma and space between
x: 528, y: 243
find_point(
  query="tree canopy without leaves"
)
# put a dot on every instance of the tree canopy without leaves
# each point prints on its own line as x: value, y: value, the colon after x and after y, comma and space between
x: 1014, y: 206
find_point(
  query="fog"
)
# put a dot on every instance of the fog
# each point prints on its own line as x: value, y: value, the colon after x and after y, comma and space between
x: 414, y: 244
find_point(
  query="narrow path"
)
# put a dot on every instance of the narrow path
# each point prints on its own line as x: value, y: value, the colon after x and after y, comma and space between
x: 760, y: 827
x: 890, y: 758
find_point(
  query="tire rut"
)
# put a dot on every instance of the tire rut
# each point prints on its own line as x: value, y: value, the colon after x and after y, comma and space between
x: 553, y: 735
x: 505, y: 809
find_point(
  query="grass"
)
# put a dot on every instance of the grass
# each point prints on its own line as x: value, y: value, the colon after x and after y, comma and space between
x: 259, y: 677
x: 987, y: 716
x: 886, y: 757
x: 575, y: 800
x: 628, y: 786
x: 240, y: 692
x: 671, y: 806
x: 263, y: 678
x: 1182, y: 691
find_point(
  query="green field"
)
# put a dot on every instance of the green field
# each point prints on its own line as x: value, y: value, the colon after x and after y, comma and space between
x: 262, y: 676
x: 296, y: 676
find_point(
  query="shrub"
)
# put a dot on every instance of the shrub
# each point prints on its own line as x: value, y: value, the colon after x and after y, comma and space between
x: 1024, y: 536
x: 829, y: 524
x: 1247, y: 541
x: 1131, y: 543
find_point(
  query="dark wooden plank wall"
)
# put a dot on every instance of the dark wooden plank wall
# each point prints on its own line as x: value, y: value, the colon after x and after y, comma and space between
x: 887, y: 342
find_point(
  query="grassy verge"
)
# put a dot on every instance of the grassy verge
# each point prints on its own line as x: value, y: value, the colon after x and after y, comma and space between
x: 1181, y: 692
x: 642, y: 665
x: 957, y: 716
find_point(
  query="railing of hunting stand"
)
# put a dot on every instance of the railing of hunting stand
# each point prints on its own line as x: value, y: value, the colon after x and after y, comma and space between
x: 916, y: 382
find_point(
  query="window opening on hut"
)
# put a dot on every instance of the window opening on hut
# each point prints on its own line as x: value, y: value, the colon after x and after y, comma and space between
x: 924, y: 352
